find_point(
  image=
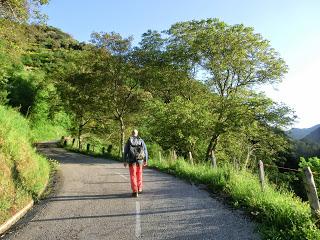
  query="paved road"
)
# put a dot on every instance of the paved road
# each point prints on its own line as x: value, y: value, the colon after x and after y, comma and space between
x: 92, y: 200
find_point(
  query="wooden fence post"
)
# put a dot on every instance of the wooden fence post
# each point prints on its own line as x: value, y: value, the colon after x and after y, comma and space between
x: 312, y: 193
x: 62, y: 140
x: 73, y: 140
x: 109, y: 149
x: 235, y: 163
x: 88, y: 147
x: 190, y: 158
x: 103, y: 150
x: 174, y: 155
x: 261, y: 175
x: 160, y: 158
x: 213, y: 160
x: 65, y: 142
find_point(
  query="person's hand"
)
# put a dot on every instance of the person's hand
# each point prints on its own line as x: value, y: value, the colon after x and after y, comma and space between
x: 125, y: 164
x: 145, y: 163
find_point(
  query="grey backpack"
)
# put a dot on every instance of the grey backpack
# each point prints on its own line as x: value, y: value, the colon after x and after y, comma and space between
x: 136, y: 151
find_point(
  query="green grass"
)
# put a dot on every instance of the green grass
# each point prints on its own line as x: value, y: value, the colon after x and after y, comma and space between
x: 23, y: 173
x: 44, y: 131
x: 280, y: 214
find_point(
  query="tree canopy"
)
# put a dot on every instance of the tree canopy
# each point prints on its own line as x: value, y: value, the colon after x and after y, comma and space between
x: 21, y: 10
x: 192, y: 87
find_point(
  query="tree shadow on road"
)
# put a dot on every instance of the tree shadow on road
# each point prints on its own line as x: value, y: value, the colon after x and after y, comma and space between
x: 64, y: 156
x: 88, y: 197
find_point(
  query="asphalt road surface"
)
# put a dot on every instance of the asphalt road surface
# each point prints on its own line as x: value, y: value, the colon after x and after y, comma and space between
x: 92, y: 200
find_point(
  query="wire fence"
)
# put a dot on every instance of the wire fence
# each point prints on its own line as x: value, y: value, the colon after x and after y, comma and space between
x: 305, y: 172
x: 309, y: 183
x: 289, y: 169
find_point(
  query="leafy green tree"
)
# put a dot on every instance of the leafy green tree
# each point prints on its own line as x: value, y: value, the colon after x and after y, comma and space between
x: 232, y: 58
x: 252, y: 129
x: 12, y: 44
x: 181, y: 124
x: 121, y: 91
x: 159, y: 72
x: 28, y: 60
x: 23, y: 89
x: 21, y: 10
x: 78, y: 89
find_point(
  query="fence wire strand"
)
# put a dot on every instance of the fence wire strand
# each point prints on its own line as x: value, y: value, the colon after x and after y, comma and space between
x: 289, y: 169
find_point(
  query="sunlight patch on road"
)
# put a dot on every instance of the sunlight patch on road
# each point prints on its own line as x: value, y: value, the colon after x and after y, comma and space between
x: 138, y: 220
x: 126, y: 178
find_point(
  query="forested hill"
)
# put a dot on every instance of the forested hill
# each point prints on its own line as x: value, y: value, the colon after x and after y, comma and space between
x: 29, y: 54
x: 306, y: 142
x: 300, y: 133
x: 313, y: 137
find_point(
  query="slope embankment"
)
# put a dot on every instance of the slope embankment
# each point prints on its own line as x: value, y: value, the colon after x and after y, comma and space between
x: 23, y: 173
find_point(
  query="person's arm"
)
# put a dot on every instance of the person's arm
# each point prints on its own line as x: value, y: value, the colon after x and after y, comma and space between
x: 145, y: 151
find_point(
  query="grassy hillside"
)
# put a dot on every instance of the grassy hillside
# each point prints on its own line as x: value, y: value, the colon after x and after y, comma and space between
x: 23, y: 173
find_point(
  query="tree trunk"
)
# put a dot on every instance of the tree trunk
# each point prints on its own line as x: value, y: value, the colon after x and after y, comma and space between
x: 79, y: 136
x: 212, y: 145
x: 246, y: 162
x: 122, y: 129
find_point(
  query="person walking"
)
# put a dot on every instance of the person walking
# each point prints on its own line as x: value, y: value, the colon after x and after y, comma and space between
x: 136, y: 155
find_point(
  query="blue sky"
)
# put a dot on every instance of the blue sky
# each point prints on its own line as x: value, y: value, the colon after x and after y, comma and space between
x: 292, y: 27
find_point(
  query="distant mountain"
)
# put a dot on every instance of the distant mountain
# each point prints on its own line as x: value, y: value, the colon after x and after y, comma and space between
x: 313, y: 137
x: 300, y: 133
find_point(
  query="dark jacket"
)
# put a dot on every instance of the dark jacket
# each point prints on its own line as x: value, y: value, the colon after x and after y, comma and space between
x: 127, y: 149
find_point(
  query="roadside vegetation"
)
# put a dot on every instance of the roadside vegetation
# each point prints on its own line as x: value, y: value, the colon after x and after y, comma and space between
x: 279, y: 212
x: 24, y: 174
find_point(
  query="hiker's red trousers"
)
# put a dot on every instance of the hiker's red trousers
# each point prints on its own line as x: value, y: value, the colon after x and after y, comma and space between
x: 136, y: 176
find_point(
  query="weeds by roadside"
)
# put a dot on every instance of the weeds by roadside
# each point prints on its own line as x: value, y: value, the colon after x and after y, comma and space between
x: 280, y: 214
x: 23, y: 173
